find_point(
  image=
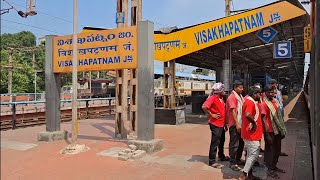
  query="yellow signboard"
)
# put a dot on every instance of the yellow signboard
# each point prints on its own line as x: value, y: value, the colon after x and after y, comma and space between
x: 97, y: 50
x: 307, y: 39
x: 186, y: 41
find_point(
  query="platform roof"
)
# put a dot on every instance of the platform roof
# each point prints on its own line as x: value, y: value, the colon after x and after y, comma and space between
x: 249, y: 50
x: 246, y: 47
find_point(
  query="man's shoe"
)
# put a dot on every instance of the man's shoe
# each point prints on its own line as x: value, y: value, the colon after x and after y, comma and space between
x: 256, y: 164
x: 241, y: 162
x: 224, y: 158
x: 283, y: 154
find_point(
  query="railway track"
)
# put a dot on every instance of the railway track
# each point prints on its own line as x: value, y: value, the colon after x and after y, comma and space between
x: 38, y: 118
x: 34, y: 118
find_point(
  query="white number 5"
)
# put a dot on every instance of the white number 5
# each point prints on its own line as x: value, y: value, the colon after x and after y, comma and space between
x: 282, y: 49
x: 266, y: 33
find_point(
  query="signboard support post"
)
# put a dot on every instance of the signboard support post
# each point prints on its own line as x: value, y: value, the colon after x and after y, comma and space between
x: 169, y: 84
x: 52, y: 96
x: 122, y: 84
x: 136, y: 15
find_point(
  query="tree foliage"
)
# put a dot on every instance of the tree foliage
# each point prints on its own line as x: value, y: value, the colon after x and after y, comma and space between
x: 23, y: 72
x: 21, y: 39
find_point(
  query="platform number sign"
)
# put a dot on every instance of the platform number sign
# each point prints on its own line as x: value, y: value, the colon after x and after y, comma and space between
x: 120, y: 17
x: 307, y: 39
x: 282, y: 49
x: 267, y: 34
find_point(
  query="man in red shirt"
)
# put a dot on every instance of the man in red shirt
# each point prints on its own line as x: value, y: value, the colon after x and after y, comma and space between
x: 270, y: 108
x: 214, y: 107
x: 233, y: 115
x: 251, y: 130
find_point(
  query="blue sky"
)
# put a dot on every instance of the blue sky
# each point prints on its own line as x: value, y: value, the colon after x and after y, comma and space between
x: 55, y: 16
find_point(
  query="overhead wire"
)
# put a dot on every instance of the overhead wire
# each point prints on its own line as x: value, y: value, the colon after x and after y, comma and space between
x: 4, y: 26
x: 69, y: 21
x: 55, y: 17
x: 32, y: 26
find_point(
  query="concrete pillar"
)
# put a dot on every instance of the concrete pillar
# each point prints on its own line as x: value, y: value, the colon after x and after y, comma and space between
x: 226, y: 74
x: 246, y: 82
x: 218, y: 74
x: 145, y: 125
x: 52, y: 97
x: 145, y: 87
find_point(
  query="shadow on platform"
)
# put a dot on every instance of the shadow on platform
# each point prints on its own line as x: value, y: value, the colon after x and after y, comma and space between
x: 107, y: 130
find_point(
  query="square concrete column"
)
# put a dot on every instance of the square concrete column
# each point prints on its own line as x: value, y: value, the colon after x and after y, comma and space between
x: 145, y: 126
x: 52, y: 97
x: 218, y: 74
x: 226, y: 74
x: 145, y: 88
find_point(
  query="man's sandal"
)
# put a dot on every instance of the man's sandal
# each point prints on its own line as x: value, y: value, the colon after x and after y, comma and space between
x: 273, y: 175
x: 279, y: 170
x: 235, y: 167
x: 254, y: 178
x: 225, y: 158
x: 217, y: 166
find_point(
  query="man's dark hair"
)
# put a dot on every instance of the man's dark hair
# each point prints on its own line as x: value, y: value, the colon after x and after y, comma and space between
x: 273, y: 81
x: 237, y: 83
x: 254, y: 90
x: 269, y: 88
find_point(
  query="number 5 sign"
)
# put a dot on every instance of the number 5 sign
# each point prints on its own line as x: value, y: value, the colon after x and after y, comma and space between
x: 282, y: 49
x: 267, y: 34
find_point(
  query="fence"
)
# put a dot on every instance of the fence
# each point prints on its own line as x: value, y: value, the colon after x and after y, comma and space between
x: 14, y: 105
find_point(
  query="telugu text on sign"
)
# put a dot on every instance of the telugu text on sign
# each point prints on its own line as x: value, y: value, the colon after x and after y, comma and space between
x: 97, y: 50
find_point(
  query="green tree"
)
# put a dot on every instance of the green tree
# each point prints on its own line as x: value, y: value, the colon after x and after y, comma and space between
x: 22, y: 75
x: 23, y: 71
x: 21, y: 39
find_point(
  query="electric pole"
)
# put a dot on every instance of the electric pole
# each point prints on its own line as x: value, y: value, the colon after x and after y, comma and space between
x: 75, y: 74
x: 11, y: 50
x: 10, y: 67
x: 35, y: 75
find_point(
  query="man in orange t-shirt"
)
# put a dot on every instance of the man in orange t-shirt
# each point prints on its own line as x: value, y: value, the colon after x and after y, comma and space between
x: 214, y: 107
x: 251, y: 130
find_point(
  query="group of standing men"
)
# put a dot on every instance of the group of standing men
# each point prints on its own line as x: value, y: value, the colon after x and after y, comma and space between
x: 247, y: 118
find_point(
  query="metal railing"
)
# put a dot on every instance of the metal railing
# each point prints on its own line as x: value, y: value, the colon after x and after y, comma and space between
x: 14, y: 106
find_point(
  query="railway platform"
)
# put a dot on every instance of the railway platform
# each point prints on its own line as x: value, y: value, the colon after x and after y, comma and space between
x: 184, y: 155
